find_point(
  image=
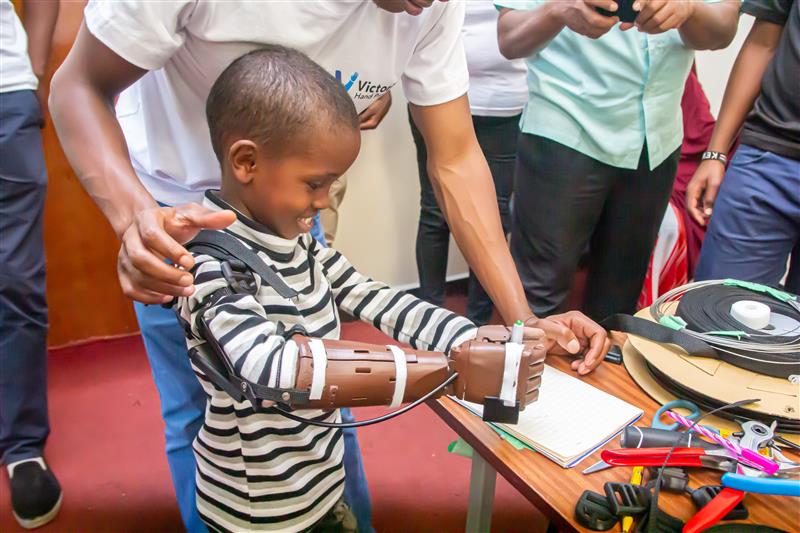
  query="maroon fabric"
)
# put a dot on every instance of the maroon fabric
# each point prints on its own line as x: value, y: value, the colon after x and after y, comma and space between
x: 698, y: 124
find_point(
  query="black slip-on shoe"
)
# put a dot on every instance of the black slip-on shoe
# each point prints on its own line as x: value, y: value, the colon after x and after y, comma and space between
x: 35, y: 493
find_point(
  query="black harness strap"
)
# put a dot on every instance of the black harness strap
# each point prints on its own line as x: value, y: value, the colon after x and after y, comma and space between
x: 225, y: 247
x: 212, y: 361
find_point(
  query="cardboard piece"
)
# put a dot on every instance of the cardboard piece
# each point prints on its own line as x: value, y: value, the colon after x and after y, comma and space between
x: 712, y: 378
x: 635, y: 365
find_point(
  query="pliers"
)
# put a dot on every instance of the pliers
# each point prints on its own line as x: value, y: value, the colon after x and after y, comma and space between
x: 762, y: 485
x: 716, y: 458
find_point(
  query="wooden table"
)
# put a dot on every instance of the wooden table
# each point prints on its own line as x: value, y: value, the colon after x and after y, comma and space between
x: 555, y: 490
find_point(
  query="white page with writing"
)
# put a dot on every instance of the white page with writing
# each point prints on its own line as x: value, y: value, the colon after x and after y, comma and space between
x: 570, y: 417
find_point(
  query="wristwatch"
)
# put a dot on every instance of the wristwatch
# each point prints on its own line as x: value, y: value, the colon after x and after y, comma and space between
x: 715, y: 156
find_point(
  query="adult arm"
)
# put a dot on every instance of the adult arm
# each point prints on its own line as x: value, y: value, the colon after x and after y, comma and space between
x: 465, y: 191
x: 743, y: 87
x: 712, y: 25
x: 82, y: 105
x: 522, y: 33
x: 702, y: 25
x: 39, y: 20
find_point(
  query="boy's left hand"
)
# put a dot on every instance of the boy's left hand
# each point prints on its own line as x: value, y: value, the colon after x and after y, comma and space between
x: 573, y: 333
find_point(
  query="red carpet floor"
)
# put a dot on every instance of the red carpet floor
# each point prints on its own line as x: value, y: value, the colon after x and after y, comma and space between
x: 106, y: 447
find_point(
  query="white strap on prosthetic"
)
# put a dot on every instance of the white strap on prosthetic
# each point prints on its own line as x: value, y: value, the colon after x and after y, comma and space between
x: 320, y: 359
x: 401, y: 375
x: 288, y: 365
x: 508, y: 391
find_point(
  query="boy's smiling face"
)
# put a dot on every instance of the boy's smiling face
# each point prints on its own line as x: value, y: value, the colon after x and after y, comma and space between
x: 285, y: 191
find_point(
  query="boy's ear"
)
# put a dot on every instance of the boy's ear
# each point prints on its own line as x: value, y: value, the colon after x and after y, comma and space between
x: 242, y: 155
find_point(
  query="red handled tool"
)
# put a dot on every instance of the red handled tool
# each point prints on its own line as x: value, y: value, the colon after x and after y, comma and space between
x: 697, y: 457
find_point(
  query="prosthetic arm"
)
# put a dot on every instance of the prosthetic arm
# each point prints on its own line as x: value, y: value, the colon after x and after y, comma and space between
x: 491, y: 370
x: 291, y: 370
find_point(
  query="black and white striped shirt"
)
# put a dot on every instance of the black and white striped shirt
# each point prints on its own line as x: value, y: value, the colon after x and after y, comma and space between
x: 262, y: 471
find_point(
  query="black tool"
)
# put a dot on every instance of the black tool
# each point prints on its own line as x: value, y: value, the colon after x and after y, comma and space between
x: 624, y: 11
x: 673, y: 479
x: 662, y: 522
x: 626, y: 499
x: 637, y: 437
x: 702, y: 495
x: 614, y: 355
x: 593, y: 511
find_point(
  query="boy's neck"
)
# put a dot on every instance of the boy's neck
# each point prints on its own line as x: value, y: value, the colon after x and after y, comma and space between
x: 234, y: 201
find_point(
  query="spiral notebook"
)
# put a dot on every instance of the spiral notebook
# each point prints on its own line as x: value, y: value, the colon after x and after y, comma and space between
x: 570, y: 420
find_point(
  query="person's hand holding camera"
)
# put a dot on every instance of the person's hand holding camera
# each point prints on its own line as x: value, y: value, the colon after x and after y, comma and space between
x: 581, y: 16
x: 659, y: 16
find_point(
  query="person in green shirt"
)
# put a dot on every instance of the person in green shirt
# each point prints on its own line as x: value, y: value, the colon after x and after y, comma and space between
x: 601, y: 137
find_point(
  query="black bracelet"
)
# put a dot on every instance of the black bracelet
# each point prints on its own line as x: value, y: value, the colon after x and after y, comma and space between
x: 714, y: 156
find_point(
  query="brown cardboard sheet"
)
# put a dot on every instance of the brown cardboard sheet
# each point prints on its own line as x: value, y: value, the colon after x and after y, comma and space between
x: 716, y: 379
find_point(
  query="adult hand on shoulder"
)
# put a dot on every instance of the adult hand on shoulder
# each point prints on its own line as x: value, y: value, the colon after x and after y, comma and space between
x: 581, y: 17
x: 371, y: 117
x: 702, y: 190
x: 156, y: 234
x: 659, y: 16
x: 573, y: 333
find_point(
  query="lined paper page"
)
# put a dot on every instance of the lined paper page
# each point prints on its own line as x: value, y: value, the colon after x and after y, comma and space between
x: 570, y: 417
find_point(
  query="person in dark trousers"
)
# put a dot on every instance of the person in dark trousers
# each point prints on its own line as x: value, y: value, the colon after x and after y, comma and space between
x: 24, y: 426
x: 601, y: 138
x: 497, y: 94
x: 753, y: 216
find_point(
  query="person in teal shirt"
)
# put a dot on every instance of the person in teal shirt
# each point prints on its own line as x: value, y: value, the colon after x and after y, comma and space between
x: 601, y: 137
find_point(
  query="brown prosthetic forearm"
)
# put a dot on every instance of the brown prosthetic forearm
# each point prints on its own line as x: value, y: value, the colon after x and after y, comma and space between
x: 358, y: 374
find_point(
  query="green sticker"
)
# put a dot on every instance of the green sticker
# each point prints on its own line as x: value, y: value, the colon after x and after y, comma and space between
x: 757, y: 287
x: 672, y: 322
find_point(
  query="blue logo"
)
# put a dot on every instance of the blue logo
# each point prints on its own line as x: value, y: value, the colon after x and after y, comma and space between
x: 349, y: 84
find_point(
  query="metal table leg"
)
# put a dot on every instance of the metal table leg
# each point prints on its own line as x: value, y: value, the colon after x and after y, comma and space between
x: 481, y: 495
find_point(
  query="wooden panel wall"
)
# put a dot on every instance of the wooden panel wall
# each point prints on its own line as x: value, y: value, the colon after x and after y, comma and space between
x: 83, y: 293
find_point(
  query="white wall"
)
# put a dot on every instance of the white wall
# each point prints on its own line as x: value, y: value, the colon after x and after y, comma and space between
x: 378, y: 224
x: 713, y: 68
x: 378, y: 221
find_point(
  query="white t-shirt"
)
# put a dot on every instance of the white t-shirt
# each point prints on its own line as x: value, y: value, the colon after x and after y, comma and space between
x: 497, y: 86
x: 16, y: 73
x: 186, y: 45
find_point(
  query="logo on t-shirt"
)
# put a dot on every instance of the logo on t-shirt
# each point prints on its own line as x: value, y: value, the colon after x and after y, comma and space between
x: 361, y: 89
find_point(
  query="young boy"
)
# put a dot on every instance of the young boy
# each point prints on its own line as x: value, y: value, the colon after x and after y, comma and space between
x: 283, y: 130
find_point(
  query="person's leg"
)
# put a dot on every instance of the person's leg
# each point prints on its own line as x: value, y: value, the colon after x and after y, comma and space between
x: 497, y: 137
x: 329, y: 218
x: 558, y: 197
x: 755, y: 225
x: 356, y: 490
x: 183, y: 402
x: 626, y: 232
x: 694, y: 231
x: 24, y: 424
x: 793, y: 276
x: 433, y: 234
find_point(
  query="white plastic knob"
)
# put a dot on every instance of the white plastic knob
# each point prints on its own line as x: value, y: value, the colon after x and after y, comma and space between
x: 754, y: 315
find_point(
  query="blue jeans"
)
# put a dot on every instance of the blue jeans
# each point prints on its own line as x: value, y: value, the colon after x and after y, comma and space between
x: 23, y: 309
x: 755, y: 226
x: 183, y: 403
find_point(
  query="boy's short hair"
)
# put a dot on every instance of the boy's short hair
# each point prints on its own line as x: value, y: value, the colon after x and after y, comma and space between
x: 275, y: 96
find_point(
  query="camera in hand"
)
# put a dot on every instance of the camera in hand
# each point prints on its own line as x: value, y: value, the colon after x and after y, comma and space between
x: 624, y: 11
